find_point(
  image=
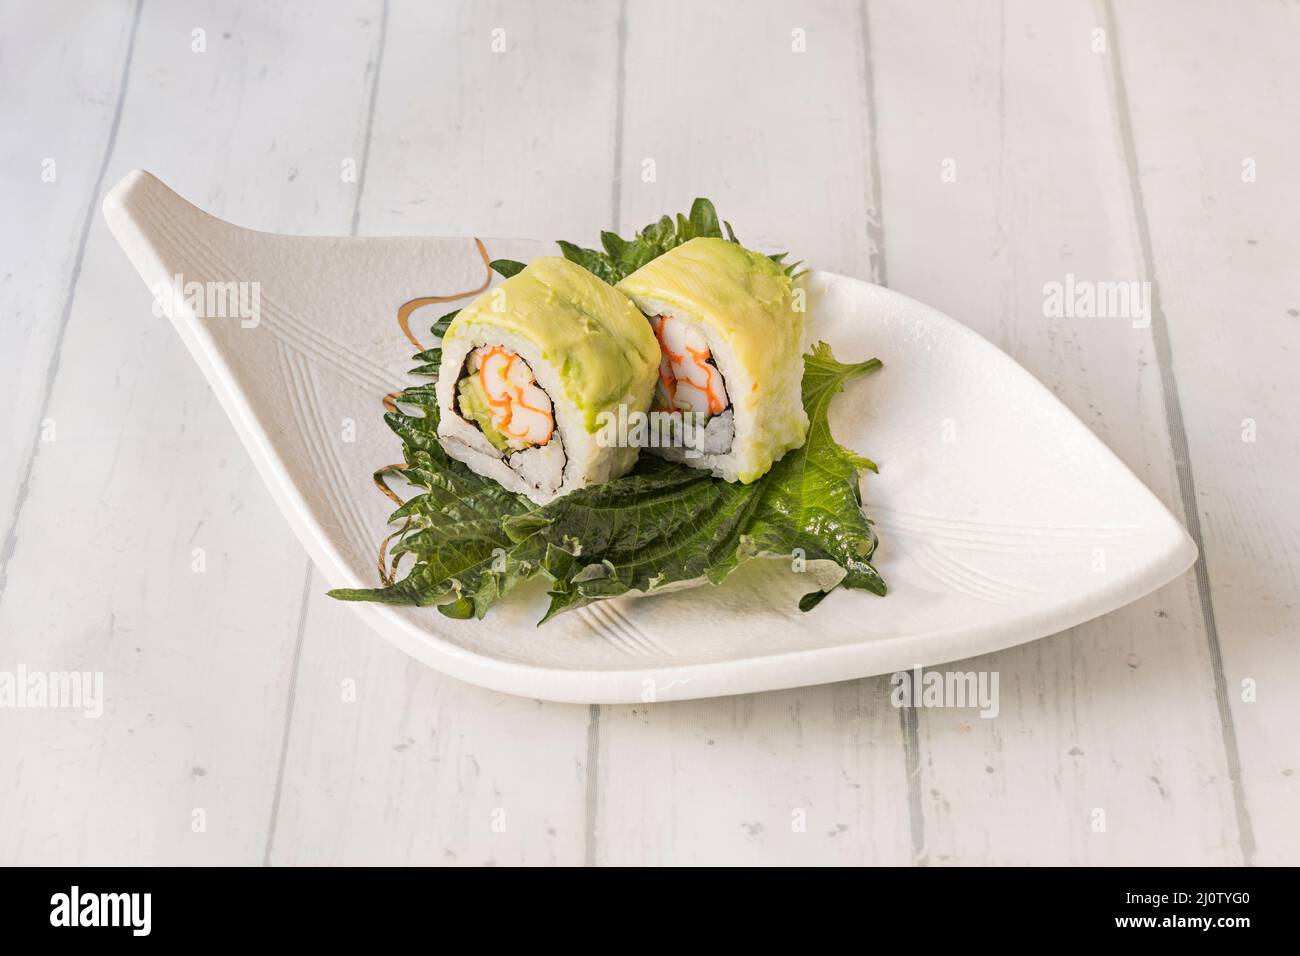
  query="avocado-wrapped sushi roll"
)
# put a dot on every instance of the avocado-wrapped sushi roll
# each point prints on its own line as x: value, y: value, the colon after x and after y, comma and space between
x: 528, y: 368
x: 731, y: 354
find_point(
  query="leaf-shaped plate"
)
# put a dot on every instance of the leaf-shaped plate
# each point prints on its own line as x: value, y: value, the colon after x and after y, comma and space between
x: 1002, y: 518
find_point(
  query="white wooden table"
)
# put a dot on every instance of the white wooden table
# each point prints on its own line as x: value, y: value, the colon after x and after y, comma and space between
x: 963, y: 153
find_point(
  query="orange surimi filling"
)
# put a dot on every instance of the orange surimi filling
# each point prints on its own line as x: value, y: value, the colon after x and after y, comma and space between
x: 520, y: 409
x: 689, y: 380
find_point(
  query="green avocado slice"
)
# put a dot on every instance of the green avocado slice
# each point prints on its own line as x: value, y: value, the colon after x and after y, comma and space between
x: 474, y: 406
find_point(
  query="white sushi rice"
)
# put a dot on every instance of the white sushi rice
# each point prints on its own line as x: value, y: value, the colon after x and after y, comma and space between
x: 572, y: 459
x: 764, y: 419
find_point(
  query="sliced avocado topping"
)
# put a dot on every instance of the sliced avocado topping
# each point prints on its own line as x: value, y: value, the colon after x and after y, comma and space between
x: 602, y: 348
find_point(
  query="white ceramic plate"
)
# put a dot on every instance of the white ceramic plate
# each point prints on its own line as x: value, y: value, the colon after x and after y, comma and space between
x: 1002, y: 518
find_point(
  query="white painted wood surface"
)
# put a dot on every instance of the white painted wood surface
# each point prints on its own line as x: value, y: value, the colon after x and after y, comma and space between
x: 1105, y: 141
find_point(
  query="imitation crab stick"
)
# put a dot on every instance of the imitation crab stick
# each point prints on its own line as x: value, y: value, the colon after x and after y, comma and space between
x: 691, y: 381
x: 520, y: 409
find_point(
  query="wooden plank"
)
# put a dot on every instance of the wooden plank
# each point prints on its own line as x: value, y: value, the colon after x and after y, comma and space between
x: 63, y: 92
x: 1213, y: 110
x: 762, y: 107
x: 724, y: 104
x: 424, y: 769
x: 1118, y: 715
x: 146, y: 469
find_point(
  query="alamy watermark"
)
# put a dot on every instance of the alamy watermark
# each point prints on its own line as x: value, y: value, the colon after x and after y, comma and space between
x: 654, y: 429
x: 1084, y: 299
x: 54, y: 690
x: 210, y: 300
x: 921, y: 688
x: 133, y: 911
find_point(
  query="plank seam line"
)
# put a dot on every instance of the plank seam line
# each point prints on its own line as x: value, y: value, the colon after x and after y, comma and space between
x: 875, y: 215
x: 593, y: 772
x: 909, y: 723
x: 52, y: 371
x: 592, y: 796
x: 370, y: 117
x: 620, y: 92
x: 1178, y: 442
x: 306, y: 587
x: 288, y: 717
x: 908, y: 720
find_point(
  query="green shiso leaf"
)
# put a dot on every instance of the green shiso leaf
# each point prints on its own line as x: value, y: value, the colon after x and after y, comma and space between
x: 620, y: 257
x: 431, y: 358
x: 454, y: 528
x: 661, y: 524
x: 506, y: 267
x: 466, y: 542
x: 665, y: 523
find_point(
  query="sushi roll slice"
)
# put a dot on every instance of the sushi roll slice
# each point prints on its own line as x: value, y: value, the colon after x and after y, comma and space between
x: 527, y: 369
x: 731, y: 359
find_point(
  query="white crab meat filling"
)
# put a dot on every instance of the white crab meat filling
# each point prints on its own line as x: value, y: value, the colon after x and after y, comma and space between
x: 690, y: 380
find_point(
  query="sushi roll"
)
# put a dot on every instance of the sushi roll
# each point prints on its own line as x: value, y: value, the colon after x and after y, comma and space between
x: 730, y: 344
x: 527, y: 370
